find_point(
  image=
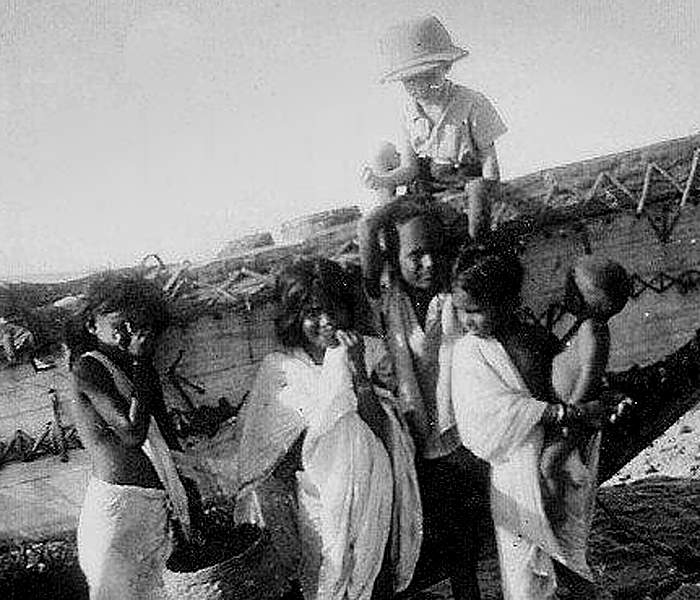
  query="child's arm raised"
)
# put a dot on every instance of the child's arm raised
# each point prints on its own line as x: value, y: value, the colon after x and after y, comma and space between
x: 128, y: 419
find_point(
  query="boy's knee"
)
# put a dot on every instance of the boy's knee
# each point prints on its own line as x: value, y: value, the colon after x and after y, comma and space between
x: 478, y: 186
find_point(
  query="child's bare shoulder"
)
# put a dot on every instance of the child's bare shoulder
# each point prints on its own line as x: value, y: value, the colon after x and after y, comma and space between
x: 592, y: 333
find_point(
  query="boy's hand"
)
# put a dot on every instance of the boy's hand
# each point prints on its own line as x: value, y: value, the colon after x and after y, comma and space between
x: 355, y: 346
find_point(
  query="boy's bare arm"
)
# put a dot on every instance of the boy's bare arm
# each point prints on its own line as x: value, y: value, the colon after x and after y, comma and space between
x: 593, y: 349
x: 129, y: 420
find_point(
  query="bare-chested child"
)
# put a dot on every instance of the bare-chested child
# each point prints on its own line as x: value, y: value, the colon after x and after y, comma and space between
x: 118, y: 407
x: 596, y: 290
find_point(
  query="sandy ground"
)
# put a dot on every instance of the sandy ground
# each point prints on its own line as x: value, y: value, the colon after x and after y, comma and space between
x: 645, y: 542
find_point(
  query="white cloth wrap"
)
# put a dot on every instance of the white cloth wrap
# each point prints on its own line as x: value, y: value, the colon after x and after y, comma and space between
x: 123, y: 541
x: 346, y: 489
x: 499, y: 420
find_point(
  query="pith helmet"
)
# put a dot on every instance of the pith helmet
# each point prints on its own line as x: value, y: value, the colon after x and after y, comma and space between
x: 416, y: 46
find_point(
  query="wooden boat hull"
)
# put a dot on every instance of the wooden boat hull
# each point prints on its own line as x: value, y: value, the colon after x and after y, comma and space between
x: 636, y: 207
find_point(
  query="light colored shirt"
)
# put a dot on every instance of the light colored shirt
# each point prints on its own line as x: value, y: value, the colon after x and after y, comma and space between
x: 465, y: 129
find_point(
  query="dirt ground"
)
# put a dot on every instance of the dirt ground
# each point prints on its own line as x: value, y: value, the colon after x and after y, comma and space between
x: 645, y: 543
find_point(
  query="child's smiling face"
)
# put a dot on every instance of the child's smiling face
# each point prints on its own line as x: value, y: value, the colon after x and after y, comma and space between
x: 321, y: 321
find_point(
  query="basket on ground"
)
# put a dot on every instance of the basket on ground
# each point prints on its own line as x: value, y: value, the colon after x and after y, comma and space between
x: 248, y: 575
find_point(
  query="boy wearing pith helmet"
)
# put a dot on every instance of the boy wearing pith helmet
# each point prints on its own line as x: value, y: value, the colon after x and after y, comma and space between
x: 449, y: 130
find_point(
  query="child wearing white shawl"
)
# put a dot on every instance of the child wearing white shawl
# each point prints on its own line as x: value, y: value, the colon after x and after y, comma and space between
x: 500, y: 414
x: 355, y: 489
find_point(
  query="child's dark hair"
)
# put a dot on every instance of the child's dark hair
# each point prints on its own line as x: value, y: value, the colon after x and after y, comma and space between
x: 607, y: 286
x: 490, y: 278
x: 309, y: 283
x: 139, y: 299
x: 402, y: 211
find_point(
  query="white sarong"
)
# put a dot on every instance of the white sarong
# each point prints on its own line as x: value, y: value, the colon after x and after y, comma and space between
x: 499, y: 420
x: 345, y: 490
x: 123, y: 541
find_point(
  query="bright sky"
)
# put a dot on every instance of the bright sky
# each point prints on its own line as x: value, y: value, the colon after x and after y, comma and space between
x: 173, y: 126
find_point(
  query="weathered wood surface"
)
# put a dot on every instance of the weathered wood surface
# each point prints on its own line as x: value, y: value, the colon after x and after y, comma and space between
x: 224, y: 340
x: 588, y: 187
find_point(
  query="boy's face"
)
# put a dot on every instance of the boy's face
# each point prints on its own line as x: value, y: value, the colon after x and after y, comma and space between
x: 417, y: 244
x: 427, y: 85
x: 476, y: 317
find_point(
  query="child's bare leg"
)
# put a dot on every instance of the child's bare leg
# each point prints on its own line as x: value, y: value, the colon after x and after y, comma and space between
x: 479, y: 193
x: 553, y: 476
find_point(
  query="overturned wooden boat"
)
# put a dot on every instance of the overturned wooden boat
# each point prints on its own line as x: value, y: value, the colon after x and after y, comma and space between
x: 638, y: 207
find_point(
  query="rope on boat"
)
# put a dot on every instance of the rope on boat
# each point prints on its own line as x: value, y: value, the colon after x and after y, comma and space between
x: 609, y: 188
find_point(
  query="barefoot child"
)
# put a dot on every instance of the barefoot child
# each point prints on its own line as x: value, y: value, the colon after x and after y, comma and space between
x: 451, y: 479
x: 500, y: 391
x: 449, y: 130
x: 123, y: 538
x: 596, y: 290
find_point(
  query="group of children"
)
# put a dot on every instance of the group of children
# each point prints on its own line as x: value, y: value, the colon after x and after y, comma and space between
x: 362, y: 453
x: 477, y: 385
